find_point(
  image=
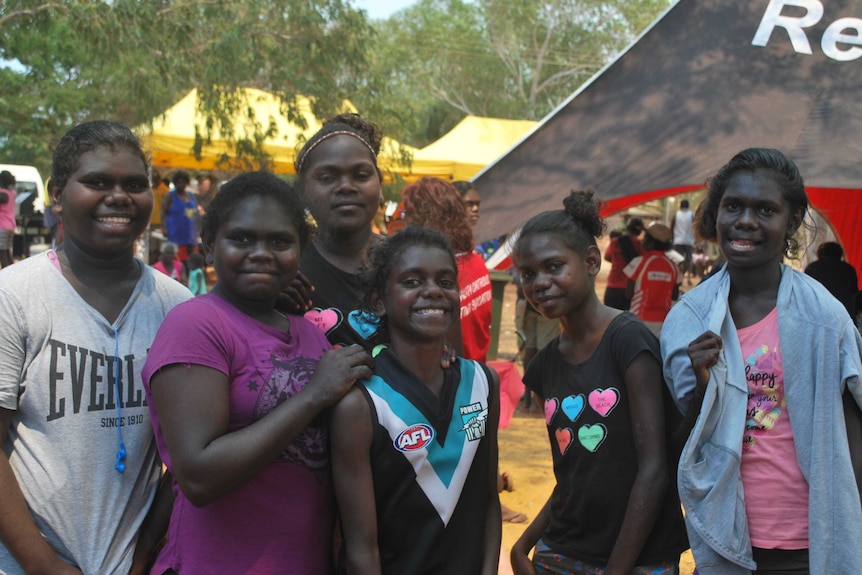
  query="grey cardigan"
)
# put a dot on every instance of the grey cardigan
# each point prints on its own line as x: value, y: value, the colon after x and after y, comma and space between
x: 821, y: 349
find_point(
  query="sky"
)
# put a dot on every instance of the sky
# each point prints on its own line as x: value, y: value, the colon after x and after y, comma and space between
x: 382, y: 9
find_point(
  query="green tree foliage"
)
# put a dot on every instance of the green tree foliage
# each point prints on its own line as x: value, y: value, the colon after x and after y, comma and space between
x: 417, y: 73
x: 132, y: 59
x: 442, y: 59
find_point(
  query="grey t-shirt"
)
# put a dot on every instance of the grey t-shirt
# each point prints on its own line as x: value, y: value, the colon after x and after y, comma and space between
x: 58, y: 368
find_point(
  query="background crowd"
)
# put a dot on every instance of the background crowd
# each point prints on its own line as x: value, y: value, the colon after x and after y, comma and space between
x: 322, y: 402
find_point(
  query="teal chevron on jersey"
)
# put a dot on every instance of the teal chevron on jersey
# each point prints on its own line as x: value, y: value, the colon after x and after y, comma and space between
x: 441, y: 466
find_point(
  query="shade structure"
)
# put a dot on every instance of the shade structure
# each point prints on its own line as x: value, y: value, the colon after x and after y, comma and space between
x: 706, y: 80
x: 171, y: 137
x: 471, y: 145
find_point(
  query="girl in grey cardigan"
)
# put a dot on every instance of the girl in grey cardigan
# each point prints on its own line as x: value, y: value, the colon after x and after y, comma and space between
x: 758, y: 358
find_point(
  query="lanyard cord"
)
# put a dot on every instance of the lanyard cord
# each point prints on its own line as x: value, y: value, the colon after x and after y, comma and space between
x: 121, y: 447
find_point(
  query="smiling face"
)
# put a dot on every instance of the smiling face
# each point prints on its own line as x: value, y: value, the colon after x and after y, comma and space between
x: 754, y: 220
x: 342, y: 185
x: 255, y: 252
x: 556, y: 280
x: 107, y: 202
x: 422, y: 297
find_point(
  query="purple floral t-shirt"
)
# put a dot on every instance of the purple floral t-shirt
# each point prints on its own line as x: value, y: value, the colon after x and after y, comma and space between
x: 281, y: 521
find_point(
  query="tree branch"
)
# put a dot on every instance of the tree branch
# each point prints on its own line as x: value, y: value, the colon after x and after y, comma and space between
x: 179, y: 6
x: 540, y: 61
x: 554, y: 78
x: 32, y: 12
x: 441, y: 86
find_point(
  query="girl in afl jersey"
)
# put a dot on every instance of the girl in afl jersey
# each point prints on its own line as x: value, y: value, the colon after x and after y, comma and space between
x: 414, y: 448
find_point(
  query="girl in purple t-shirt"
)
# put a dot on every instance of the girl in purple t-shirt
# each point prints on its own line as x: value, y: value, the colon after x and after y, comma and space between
x: 236, y: 390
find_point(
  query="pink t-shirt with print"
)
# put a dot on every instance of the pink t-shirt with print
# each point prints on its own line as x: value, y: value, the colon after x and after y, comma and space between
x: 776, y: 492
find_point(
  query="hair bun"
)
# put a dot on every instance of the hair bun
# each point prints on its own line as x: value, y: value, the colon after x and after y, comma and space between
x: 584, y: 209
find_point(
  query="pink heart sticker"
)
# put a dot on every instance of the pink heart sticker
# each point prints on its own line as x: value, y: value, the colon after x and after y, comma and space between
x: 603, y: 401
x: 550, y: 409
x: 564, y: 439
x: 325, y: 319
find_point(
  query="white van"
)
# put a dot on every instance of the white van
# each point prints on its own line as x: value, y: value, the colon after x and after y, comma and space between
x: 30, y: 188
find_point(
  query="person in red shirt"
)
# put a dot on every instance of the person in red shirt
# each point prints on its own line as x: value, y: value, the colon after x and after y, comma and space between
x: 653, y: 278
x: 620, y: 251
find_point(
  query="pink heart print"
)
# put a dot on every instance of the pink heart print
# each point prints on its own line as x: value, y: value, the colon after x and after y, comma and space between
x: 550, y: 409
x: 564, y: 439
x: 324, y: 319
x: 603, y: 401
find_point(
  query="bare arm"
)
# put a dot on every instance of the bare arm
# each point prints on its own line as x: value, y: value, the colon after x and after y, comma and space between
x: 520, y: 554
x: 193, y: 404
x: 18, y: 530
x: 351, y: 434
x: 166, y: 205
x: 853, y: 421
x: 493, y: 520
x: 644, y: 383
x: 154, y: 527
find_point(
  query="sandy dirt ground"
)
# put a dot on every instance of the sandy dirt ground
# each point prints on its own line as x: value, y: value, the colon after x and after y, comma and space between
x: 524, y: 451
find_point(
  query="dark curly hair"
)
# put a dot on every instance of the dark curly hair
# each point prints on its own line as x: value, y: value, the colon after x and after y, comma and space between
x: 87, y: 137
x: 437, y: 204
x: 578, y: 224
x: 255, y: 185
x: 7, y: 180
x: 463, y: 186
x: 786, y: 175
x: 385, y: 254
x: 180, y: 175
x: 366, y: 131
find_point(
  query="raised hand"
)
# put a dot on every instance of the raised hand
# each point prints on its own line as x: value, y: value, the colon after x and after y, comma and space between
x: 703, y: 353
x: 337, y: 371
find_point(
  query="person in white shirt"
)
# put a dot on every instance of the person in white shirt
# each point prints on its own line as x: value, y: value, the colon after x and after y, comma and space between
x: 683, y: 237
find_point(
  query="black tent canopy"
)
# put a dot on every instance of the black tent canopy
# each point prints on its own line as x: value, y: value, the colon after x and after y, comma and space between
x: 706, y: 80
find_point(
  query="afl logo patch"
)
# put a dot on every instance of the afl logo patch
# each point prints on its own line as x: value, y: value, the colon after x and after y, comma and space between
x: 414, y: 438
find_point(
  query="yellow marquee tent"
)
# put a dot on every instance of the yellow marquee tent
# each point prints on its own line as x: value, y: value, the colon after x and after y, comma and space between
x: 171, y: 139
x: 458, y: 155
x: 471, y: 145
